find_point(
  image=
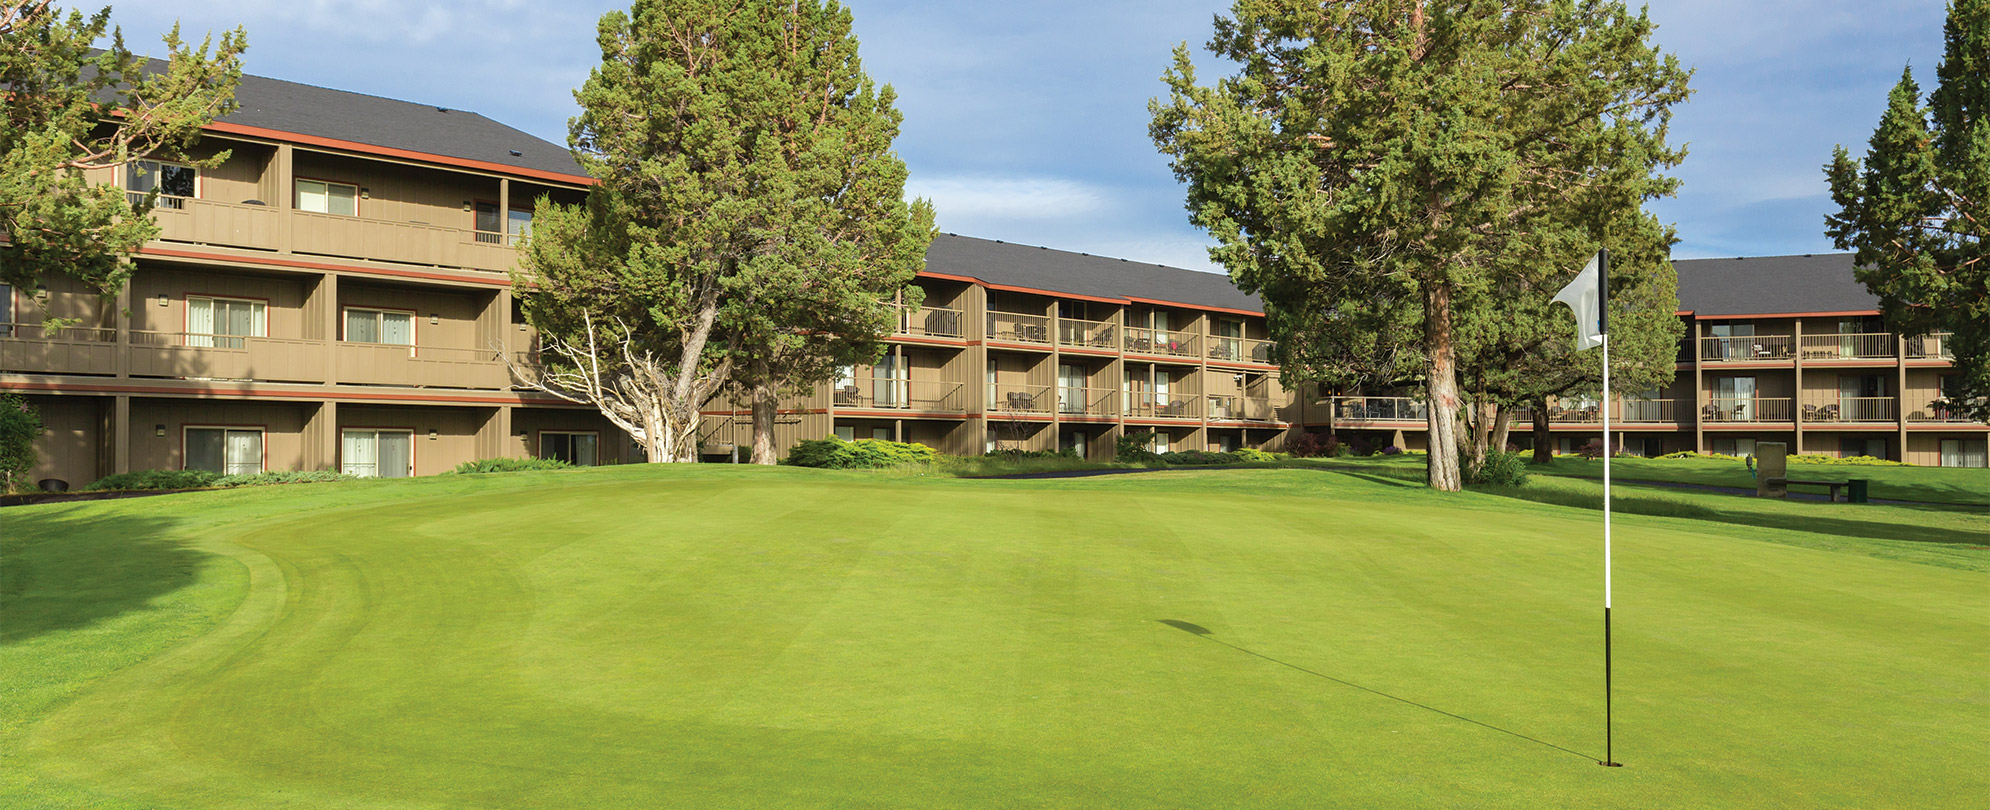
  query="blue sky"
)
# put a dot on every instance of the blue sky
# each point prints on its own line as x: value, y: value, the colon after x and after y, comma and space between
x: 1027, y: 121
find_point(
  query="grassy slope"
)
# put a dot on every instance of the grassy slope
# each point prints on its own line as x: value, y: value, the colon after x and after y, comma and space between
x: 720, y: 637
x: 1930, y: 484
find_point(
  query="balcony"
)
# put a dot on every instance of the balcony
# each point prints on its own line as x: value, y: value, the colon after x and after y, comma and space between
x: 1860, y: 346
x: 30, y: 349
x: 1164, y: 406
x: 1161, y: 343
x: 206, y: 222
x: 1241, y: 350
x: 1380, y: 409
x: 1930, y: 347
x: 1020, y: 399
x: 1746, y: 409
x: 1848, y: 409
x: 185, y: 355
x: 1018, y: 327
x: 1231, y: 407
x: 1082, y: 334
x: 403, y: 242
x: 1625, y: 412
x: 1939, y: 412
x: 1087, y: 402
x: 942, y: 322
x: 1754, y: 348
x: 421, y: 366
x: 917, y: 396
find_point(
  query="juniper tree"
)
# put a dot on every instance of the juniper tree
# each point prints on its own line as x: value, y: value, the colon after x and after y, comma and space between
x: 67, y: 107
x: 1374, y: 163
x: 1916, y: 210
x: 748, y: 221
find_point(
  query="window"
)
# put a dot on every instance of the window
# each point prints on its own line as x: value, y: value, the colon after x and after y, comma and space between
x: 578, y: 449
x: 225, y: 451
x: 377, y: 453
x: 320, y: 197
x: 849, y: 434
x: 223, y: 322
x: 1734, y: 447
x: 1965, y: 452
x: 379, y: 326
x: 518, y: 224
x: 1849, y: 447
x: 7, y: 314
x: 881, y: 434
x: 174, y: 182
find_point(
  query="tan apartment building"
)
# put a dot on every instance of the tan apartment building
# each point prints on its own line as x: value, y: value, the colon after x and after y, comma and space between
x: 1781, y: 348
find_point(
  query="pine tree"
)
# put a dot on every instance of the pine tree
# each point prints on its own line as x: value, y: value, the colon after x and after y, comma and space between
x: 1377, y: 167
x: 1916, y: 210
x: 67, y: 107
x: 748, y: 224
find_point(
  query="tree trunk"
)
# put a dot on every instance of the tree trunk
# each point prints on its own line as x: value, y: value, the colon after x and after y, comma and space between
x: 765, y: 400
x: 1480, y: 428
x: 1441, y: 388
x: 1502, y: 428
x: 1544, y: 442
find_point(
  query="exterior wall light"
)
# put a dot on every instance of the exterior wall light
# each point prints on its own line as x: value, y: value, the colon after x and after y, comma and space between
x: 159, y: 431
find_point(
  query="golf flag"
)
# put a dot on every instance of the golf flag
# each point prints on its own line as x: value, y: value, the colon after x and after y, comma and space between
x: 1586, y: 296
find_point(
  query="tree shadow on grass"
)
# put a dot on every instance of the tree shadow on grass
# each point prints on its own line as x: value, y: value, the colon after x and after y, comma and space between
x: 1834, y: 519
x: 1210, y: 635
x: 66, y: 569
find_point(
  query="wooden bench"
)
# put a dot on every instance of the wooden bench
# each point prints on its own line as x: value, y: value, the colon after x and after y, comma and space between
x: 1834, y: 486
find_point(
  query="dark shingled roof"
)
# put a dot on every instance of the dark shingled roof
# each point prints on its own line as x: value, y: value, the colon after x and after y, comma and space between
x: 1767, y: 285
x: 308, y: 110
x: 1037, y: 268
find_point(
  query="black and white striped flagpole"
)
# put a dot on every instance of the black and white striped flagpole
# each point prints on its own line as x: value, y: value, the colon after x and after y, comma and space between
x: 1603, y: 329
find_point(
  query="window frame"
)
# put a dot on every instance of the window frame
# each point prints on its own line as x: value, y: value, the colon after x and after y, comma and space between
x: 414, y: 447
x: 539, y: 444
x: 199, y: 179
x: 295, y: 195
x: 262, y: 443
x: 414, y: 325
x: 186, y: 319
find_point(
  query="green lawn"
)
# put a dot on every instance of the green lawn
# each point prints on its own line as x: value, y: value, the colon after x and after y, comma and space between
x: 718, y: 637
x: 1930, y: 484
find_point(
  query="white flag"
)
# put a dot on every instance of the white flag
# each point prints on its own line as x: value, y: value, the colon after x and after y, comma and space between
x: 1585, y: 296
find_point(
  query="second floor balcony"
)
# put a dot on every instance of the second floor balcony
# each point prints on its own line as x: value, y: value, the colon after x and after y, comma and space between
x: 1160, y: 342
x: 26, y: 349
x: 1750, y: 348
x: 1379, y: 409
x: 1154, y: 405
x: 1751, y: 409
x: 942, y: 322
x: 1241, y: 350
x: 1861, y: 346
x: 880, y: 393
x: 256, y: 226
x: 1231, y: 407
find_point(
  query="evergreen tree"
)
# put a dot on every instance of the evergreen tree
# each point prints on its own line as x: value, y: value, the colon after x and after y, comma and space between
x: 1917, y: 209
x: 1377, y: 167
x: 66, y: 108
x: 748, y: 224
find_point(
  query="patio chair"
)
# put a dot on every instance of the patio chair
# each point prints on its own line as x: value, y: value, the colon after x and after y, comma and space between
x: 1710, y: 413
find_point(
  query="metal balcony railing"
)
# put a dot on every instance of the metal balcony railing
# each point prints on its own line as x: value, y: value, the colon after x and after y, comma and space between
x: 1747, y: 409
x: 1148, y: 405
x: 1019, y: 399
x: 1848, y: 409
x: 1241, y: 408
x: 1380, y: 409
x: 1018, y: 327
x: 1074, y: 401
x: 1161, y: 342
x: 1864, y: 346
x: 930, y: 322
x: 880, y: 393
x: 1750, y: 348
x: 1084, y: 334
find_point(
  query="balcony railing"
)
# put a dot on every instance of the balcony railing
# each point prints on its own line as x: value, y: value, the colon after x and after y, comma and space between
x: 1074, y: 401
x: 30, y: 349
x: 421, y: 366
x: 1848, y: 409
x: 1747, y: 409
x: 1864, y: 346
x: 1751, y: 348
x: 1939, y: 411
x: 1160, y: 342
x: 1032, y: 399
x: 881, y: 393
x: 1930, y: 347
x: 207, y: 222
x: 1240, y: 350
x: 1241, y: 408
x: 1018, y: 327
x: 389, y: 241
x: 1148, y: 405
x: 1647, y: 411
x: 1380, y: 409
x: 1086, y: 334
x: 197, y: 356
x: 930, y: 322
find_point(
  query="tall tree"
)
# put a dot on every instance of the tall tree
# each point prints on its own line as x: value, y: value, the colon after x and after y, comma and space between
x: 1372, y: 162
x: 748, y: 220
x: 67, y: 107
x: 838, y: 246
x: 1917, y: 209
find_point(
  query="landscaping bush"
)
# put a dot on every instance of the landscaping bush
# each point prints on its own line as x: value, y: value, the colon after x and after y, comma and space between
x: 1132, y: 448
x: 1021, y: 455
x: 499, y: 465
x: 1854, y: 461
x: 20, y: 425
x: 1682, y: 454
x: 1392, y: 450
x: 1308, y: 445
x: 1254, y: 454
x: 1592, y: 449
x: 1501, y: 468
x: 263, y: 479
x: 154, y: 479
x: 835, y: 454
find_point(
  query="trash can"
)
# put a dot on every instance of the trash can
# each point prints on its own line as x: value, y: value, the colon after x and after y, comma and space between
x: 1855, y: 490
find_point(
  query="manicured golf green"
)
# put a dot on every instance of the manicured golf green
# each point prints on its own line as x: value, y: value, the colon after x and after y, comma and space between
x: 718, y: 637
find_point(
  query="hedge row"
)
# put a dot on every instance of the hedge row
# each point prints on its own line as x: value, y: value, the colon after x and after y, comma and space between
x: 202, y: 479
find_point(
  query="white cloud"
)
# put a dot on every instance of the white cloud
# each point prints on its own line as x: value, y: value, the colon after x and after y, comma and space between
x: 971, y: 198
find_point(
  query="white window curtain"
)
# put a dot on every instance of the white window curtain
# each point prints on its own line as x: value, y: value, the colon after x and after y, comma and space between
x: 327, y: 198
x: 362, y: 326
x: 397, y: 328
x: 200, y: 322
x: 245, y: 452
x: 356, y: 456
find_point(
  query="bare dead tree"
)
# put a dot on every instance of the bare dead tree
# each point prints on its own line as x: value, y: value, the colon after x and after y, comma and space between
x: 634, y: 389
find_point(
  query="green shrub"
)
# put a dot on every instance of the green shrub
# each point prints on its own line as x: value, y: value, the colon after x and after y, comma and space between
x: 1134, y: 447
x: 1021, y: 455
x: 263, y: 479
x: 500, y: 465
x: 20, y: 425
x: 1853, y: 461
x: 1254, y: 454
x: 154, y: 479
x: 1682, y: 454
x: 1500, y: 469
x: 835, y: 454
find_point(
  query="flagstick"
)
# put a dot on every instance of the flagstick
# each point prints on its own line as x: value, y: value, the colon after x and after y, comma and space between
x: 1607, y: 453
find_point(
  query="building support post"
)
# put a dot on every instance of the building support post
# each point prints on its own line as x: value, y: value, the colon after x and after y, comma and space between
x: 121, y: 434
x: 1796, y: 404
